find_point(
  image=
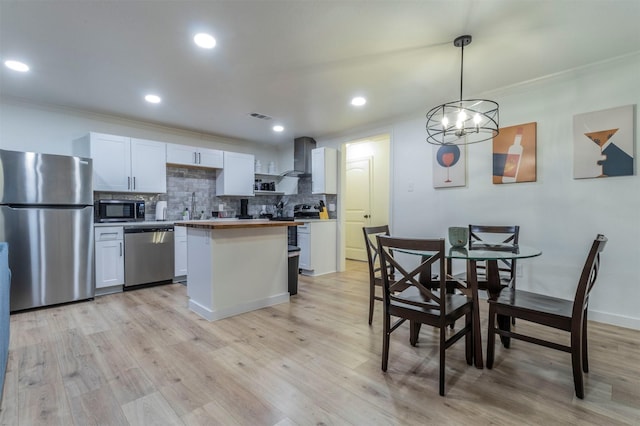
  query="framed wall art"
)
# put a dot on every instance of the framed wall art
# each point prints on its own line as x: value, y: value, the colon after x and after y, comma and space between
x: 514, y: 154
x: 603, y: 143
x: 449, y: 166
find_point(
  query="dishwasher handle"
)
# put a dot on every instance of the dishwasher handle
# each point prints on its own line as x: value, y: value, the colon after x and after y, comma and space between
x: 139, y: 230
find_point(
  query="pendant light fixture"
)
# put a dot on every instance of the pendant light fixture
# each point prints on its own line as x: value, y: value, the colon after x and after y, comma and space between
x: 464, y: 121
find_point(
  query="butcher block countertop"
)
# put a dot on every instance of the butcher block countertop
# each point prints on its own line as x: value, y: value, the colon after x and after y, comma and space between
x: 235, y: 224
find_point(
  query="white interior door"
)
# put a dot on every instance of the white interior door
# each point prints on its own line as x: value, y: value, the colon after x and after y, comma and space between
x: 358, y: 206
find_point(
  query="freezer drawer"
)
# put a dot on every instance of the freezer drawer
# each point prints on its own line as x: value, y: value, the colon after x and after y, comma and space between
x: 51, y: 257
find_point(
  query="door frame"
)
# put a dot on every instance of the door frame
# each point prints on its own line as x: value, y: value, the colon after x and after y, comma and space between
x: 386, y: 134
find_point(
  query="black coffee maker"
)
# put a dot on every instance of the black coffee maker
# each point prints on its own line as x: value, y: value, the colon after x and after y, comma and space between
x: 244, y: 209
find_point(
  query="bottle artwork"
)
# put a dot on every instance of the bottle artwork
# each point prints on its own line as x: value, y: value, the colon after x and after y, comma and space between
x: 514, y: 157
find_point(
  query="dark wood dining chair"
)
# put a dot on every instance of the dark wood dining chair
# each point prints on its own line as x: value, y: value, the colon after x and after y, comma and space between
x: 482, y: 234
x: 375, y: 276
x: 406, y: 298
x: 561, y: 314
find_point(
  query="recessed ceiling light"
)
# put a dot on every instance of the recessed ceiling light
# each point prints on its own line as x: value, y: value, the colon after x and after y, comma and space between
x: 278, y: 128
x: 154, y: 99
x: 358, y: 101
x: 206, y: 41
x: 16, y: 66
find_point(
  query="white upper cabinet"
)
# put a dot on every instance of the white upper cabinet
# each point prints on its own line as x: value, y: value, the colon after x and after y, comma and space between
x: 148, y: 166
x: 111, y: 162
x: 122, y: 164
x: 324, y: 171
x: 194, y: 156
x: 237, y: 175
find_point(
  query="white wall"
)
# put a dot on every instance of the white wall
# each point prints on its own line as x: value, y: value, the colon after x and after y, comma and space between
x: 49, y: 129
x: 558, y: 214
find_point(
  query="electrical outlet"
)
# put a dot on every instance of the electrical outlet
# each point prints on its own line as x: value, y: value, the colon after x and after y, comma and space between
x: 519, y: 270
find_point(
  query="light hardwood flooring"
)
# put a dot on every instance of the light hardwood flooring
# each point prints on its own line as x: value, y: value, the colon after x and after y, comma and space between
x: 142, y: 358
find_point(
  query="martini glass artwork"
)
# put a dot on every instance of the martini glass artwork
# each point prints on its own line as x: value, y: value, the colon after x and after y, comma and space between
x: 447, y: 156
x: 600, y: 138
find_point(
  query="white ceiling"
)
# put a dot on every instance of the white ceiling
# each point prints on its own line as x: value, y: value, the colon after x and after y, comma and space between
x: 299, y: 62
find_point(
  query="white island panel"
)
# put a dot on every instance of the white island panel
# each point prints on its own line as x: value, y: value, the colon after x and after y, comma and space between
x: 236, y: 270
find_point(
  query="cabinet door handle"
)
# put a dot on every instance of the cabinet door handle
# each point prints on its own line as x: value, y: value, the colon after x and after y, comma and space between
x: 120, y: 249
x: 128, y: 182
x: 199, y: 158
x: 366, y: 216
x: 134, y: 182
x: 195, y: 157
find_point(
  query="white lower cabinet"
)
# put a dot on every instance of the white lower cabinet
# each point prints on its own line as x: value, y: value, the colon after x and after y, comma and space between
x: 317, y: 241
x: 109, y: 258
x: 180, y: 250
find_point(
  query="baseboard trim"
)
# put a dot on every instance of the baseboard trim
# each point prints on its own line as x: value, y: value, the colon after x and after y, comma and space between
x: 613, y: 319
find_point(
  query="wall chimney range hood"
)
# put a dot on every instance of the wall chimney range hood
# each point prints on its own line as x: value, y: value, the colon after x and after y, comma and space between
x: 302, y: 147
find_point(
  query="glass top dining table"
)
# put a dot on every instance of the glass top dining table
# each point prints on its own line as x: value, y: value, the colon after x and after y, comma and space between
x: 491, y: 254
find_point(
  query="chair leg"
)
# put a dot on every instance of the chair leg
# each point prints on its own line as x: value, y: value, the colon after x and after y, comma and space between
x: 576, y: 362
x: 585, y: 356
x: 442, y: 358
x: 468, y: 338
x: 385, y: 340
x: 372, y: 293
x: 414, y: 332
x: 504, y: 323
x: 491, y: 337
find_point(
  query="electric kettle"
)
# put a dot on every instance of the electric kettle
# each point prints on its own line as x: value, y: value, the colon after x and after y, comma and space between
x: 161, y: 210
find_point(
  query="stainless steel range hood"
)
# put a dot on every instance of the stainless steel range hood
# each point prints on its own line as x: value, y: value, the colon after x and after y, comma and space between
x: 302, y: 147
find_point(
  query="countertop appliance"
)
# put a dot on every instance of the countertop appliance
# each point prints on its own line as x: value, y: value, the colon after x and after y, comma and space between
x: 46, y: 216
x: 148, y: 254
x: 119, y: 210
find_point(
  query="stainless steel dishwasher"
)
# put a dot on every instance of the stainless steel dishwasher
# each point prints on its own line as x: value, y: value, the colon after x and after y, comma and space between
x: 148, y: 254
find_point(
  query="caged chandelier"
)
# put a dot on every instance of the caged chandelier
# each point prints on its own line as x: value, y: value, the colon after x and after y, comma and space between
x: 465, y: 121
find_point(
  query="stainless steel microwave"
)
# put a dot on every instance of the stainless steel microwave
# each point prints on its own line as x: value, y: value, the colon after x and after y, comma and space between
x: 118, y: 210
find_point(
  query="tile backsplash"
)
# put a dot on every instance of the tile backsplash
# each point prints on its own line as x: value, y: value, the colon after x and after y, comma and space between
x: 188, y: 185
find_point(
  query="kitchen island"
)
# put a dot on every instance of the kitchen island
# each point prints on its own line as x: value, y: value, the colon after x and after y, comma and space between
x: 236, y: 266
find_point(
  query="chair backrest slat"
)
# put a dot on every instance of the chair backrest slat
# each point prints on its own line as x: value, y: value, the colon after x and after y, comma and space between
x: 433, y: 254
x: 371, y: 245
x: 588, y: 277
x: 507, y: 234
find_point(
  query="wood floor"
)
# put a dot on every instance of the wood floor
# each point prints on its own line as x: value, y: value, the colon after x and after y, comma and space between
x: 142, y: 358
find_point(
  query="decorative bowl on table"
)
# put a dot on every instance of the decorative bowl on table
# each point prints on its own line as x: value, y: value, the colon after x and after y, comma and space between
x: 458, y: 236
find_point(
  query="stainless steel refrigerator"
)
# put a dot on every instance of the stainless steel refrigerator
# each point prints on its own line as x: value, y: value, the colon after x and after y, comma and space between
x: 46, y: 216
